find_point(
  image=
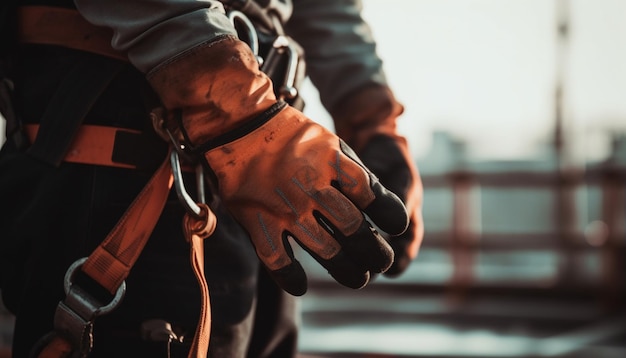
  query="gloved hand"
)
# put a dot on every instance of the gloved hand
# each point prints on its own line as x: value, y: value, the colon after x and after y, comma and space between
x: 366, y: 121
x: 280, y: 174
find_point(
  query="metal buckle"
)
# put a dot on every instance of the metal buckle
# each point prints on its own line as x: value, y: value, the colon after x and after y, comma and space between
x: 75, y: 315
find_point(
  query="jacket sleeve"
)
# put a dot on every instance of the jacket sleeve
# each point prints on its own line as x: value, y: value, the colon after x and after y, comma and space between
x: 153, y: 32
x: 339, y: 47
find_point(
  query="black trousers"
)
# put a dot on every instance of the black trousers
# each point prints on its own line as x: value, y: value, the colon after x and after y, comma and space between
x: 60, y: 214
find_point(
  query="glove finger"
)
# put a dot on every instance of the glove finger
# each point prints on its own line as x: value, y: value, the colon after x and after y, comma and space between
x: 273, y: 249
x: 291, y: 278
x: 400, y: 245
x: 365, y: 247
x: 346, y: 272
x: 383, y: 158
x: 318, y: 239
x: 337, y: 223
x: 386, y: 209
x: 339, y: 238
x: 387, y: 157
x: 342, y: 268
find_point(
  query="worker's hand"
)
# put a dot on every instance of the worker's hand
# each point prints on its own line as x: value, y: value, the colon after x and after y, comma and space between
x: 281, y: 175
x: 366, y: 120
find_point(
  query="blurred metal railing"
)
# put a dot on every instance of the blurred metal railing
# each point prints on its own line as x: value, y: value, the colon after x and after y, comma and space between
x: 463, y: 242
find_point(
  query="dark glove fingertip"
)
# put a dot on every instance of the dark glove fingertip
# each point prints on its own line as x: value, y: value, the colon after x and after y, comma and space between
x: 378, y: 253
x: 402, y: 259
x: 365, y: 247
x: 344, y: 271
x: 387, y: 211
x: 399, y: 266
x: 291, y: 278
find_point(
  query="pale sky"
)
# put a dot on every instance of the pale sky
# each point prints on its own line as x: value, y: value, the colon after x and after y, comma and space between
x: 485, y: 70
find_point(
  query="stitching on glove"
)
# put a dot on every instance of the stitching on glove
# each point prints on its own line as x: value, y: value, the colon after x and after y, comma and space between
x: 268, y: 237
x: 351, y: 183
x: 295, y: 211
x: 315, y: 197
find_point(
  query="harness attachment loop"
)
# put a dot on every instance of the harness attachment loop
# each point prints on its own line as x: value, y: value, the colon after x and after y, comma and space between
x: 75, y: 315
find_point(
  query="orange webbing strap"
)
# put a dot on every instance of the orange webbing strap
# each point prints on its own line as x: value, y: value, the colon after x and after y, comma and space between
x: 92, y: 144
x: 111, y: 261
x: 64, y: 27
x: 196, y: 230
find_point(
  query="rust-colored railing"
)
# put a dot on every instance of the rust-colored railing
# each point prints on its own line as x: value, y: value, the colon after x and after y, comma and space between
x: 463, y: 242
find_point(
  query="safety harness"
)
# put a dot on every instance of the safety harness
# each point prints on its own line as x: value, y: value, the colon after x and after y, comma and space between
x: 110, y: 263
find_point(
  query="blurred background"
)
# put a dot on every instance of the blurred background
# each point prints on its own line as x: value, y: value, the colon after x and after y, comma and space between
x: 516, y: 116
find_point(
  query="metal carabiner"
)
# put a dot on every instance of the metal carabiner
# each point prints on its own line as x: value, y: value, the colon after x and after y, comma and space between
x: 237, y: 16
x: 179, y: 148
x: 282, y: 44
x: 190, y: 205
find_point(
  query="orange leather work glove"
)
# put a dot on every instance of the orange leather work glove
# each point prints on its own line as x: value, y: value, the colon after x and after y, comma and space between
x: 280, y: 174
x: 366, y: 121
